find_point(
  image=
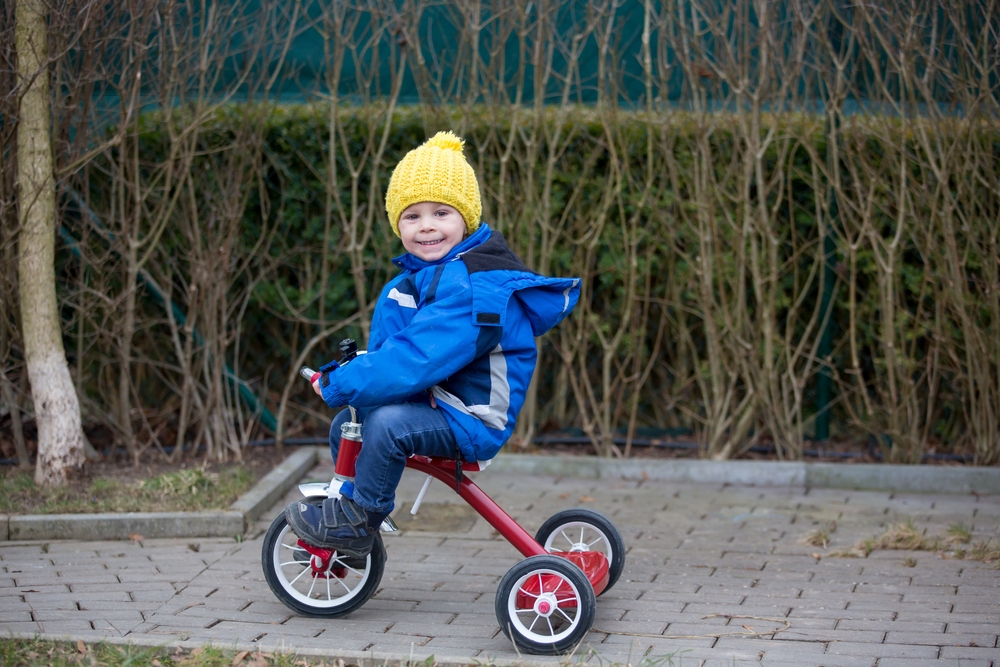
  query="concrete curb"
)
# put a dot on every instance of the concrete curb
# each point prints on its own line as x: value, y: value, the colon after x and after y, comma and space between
x: 119, y: 526
x: 250, y: 507
x: 276, y: 483
x: 865, y: 476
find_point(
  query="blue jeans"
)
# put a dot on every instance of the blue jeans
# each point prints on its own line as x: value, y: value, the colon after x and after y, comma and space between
x: 391, y: 434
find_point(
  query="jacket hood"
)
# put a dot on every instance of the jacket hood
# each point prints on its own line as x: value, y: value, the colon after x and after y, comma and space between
x: 496, y: 274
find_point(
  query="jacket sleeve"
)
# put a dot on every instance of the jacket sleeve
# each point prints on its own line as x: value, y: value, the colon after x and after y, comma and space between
x: 440, y: 340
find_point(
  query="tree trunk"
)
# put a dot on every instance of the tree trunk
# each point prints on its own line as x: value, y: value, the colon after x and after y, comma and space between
x: 57, y: 409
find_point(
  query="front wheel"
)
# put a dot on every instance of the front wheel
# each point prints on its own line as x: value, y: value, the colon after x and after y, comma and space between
x: 335, y: 588
x: 585, y: 530
x: 545, y: 605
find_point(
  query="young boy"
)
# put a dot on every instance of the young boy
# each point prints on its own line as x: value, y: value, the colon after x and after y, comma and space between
x: 451, y: 350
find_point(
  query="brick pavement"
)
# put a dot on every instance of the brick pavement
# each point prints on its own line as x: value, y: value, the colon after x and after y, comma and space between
x: 704, y: 563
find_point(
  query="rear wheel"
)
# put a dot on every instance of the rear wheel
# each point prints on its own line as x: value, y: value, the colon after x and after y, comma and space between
x: 585, y: 530
x: 336, y: 587
x: 545, y: 605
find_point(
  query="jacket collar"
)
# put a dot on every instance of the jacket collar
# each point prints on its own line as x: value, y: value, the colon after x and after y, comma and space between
x: 413, y: 263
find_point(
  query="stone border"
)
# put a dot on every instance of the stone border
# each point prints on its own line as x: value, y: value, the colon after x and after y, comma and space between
x: 120, y: 526
x: 864, y: 476
x: 276, y: 483
x: 236, y: 520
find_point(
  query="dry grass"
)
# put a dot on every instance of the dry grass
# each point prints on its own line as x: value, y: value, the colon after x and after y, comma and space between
x: 819, y: 537
x: 189, y: 489
x: 44, y: 653
x: 958, y: 534
x: 904, y: 536
x: 816, y: 538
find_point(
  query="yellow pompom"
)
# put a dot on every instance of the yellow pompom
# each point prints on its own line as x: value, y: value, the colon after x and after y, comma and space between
x: 446, y: 141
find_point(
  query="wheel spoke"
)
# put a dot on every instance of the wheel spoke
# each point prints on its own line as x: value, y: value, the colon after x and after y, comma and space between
x: 564, y: 614
x: 561, y: 582
x: 582, y: 528
x: 566, y: 537
x: 329, y: 595
x: 528, y: 593
x: 551, y: 631
x: 346, y: 587
x: 304, y: 570
x: 312, y: 585
x: 532, y: 626
x: 599, y: 539
x: 347, y: 567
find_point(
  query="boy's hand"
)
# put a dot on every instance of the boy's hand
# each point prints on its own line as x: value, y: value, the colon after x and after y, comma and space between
x: 315, y: 386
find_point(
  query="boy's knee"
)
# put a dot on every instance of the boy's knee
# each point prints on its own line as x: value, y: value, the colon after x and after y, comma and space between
x: 381, y: 420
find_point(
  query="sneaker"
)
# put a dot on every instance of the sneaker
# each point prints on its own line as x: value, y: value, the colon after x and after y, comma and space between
x: 339, y: 524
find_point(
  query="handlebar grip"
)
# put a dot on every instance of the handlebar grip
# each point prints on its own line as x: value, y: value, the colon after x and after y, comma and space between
x: 308, y: 373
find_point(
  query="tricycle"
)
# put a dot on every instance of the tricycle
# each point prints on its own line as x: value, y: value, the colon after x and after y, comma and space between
x: 545, y: 604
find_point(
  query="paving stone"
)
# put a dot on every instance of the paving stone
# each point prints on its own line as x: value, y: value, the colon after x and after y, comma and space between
x: 944, y: 639
x: 890, y: 626
x: 11, y: 616
x: 65, y: 626
x: 773, y: 648
x: 879, y: 650
x: 955, y: 627
x: 688, y: 559
x: 971, y: 652
x: 821, y: 661
x: 937, y: 662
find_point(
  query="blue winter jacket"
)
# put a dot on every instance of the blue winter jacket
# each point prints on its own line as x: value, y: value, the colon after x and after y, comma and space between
x: 464, y: 328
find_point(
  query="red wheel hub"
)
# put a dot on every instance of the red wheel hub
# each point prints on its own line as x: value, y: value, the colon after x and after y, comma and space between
x: 593, y: 563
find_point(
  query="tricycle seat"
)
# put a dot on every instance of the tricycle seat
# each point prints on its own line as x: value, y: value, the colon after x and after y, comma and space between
x: 449, y: 464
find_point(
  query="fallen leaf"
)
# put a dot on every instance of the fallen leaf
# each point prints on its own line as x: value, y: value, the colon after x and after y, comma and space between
x: 195, y: 653
x: 238, y: 658
x: 258, y: 661
x: 157, y: 663
x: 564, y: 496
x: 817, y: 556
x: 81, y: 647
x: 586, y: 499
x: 194, y: 547
x: 645, y: 476
x: 136, y: 537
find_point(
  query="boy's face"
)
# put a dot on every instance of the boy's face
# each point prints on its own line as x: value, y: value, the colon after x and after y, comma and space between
x: 430, y: 230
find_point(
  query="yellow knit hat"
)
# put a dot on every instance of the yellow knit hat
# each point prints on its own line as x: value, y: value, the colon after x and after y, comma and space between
x: 435, y: 171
